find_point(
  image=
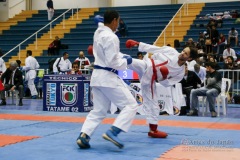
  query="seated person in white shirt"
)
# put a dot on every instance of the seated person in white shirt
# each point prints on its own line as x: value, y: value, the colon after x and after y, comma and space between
x: 62, y: 65
x: 229, y: 52
x: 200, y: 71
x: 191, y: 63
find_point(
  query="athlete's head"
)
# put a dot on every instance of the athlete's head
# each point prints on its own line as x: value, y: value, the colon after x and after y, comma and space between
x: 188, y: 53
x: 111, y: 19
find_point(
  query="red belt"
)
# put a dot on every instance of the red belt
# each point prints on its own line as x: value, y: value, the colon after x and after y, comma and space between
x: 154, y: 76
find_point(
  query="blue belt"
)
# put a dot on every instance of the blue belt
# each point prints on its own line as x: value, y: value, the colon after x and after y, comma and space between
x: 106, y: 68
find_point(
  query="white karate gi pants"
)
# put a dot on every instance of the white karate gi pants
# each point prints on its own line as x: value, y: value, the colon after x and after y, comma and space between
x: 102, y: 98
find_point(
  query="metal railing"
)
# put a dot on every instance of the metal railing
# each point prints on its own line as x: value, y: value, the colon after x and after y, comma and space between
x: 36, y: 33
x: 185, y: 5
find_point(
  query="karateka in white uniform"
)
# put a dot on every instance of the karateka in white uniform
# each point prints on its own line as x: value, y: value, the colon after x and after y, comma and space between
x: 161, y: 57
x: 62, y: 65
x: 2, y: 66
x: 106, y: 86
x: 31, y: 64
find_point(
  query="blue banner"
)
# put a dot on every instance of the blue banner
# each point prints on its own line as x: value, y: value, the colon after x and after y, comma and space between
x: 67, y: 93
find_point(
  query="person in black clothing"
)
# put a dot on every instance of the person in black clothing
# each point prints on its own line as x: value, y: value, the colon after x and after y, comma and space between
x: 54, y: 47
x: 214, y: 35
x: 50, y: 9
x: 190, y: 81
x: 13, y: 80
x: 122, y: 28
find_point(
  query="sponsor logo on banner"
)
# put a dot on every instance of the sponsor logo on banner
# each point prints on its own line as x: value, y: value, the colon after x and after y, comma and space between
x: 68, y: 93
x: 161, y: 105
x: 85, y: 95
x: 51, y: 94
x: 91, y: 96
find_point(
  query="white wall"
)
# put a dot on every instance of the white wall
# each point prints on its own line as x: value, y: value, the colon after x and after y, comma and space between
x: 9, y: 8
x: 204, y: 1
x: 16, y: 6
x: 66, y: 4
x: 139, y: 2
x: 3, y: 11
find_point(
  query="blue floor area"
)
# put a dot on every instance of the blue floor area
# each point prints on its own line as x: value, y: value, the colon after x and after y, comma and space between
x: 58, y: 139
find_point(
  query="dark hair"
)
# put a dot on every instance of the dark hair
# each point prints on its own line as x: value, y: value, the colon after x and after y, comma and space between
x: 109, y: 16
x: 139, y: 53
x: 211, y: 64
x: 65, y: 53
x: 228, y: 45
x: 18, y: 62
x: 193, y: 52
x: 231, y: 57
x: 75, y: 63
x: 29, y: 52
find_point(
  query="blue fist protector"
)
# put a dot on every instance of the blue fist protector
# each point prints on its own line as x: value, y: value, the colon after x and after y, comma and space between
x: 129, y: 59
x: 98, y: 19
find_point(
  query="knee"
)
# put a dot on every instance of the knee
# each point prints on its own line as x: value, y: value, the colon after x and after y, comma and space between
x: 193, y: 92
x: 209, y: 93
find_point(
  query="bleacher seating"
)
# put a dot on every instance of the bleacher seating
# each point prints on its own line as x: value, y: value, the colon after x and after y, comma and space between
x: 211, y: 8
x: 144, y: 24
x: 22, y: 30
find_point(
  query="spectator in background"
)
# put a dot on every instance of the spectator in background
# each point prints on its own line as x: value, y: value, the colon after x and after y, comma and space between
x: 140, y: 55
x: 214, y: 36
x: 190, y: 43
x: 82, y: 60
x: 201, y: 42
x: 50, y: 9
x: 122, y: 28
x: 62, y: 65
x: 221, y: 43
x: 13, y: 80
x: 233, y: 35
x: 229, y: 52
x: 211, y: 90
x: 191, y: 63
x: 19, y: 64
x: 211, y: 23
x: 54, y: 47
x: 213, y: 60
x: 75, y: 68
x: 190, y: 81
x: 200, y: 71
x: 231, y: 65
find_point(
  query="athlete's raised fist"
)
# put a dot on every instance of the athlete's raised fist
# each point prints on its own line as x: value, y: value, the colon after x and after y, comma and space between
x: 131, y: 43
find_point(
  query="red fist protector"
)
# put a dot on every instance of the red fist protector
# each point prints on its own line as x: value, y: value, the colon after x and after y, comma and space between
x: 131, y: 43
x: 164, y: 70
x: 90, y: 50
